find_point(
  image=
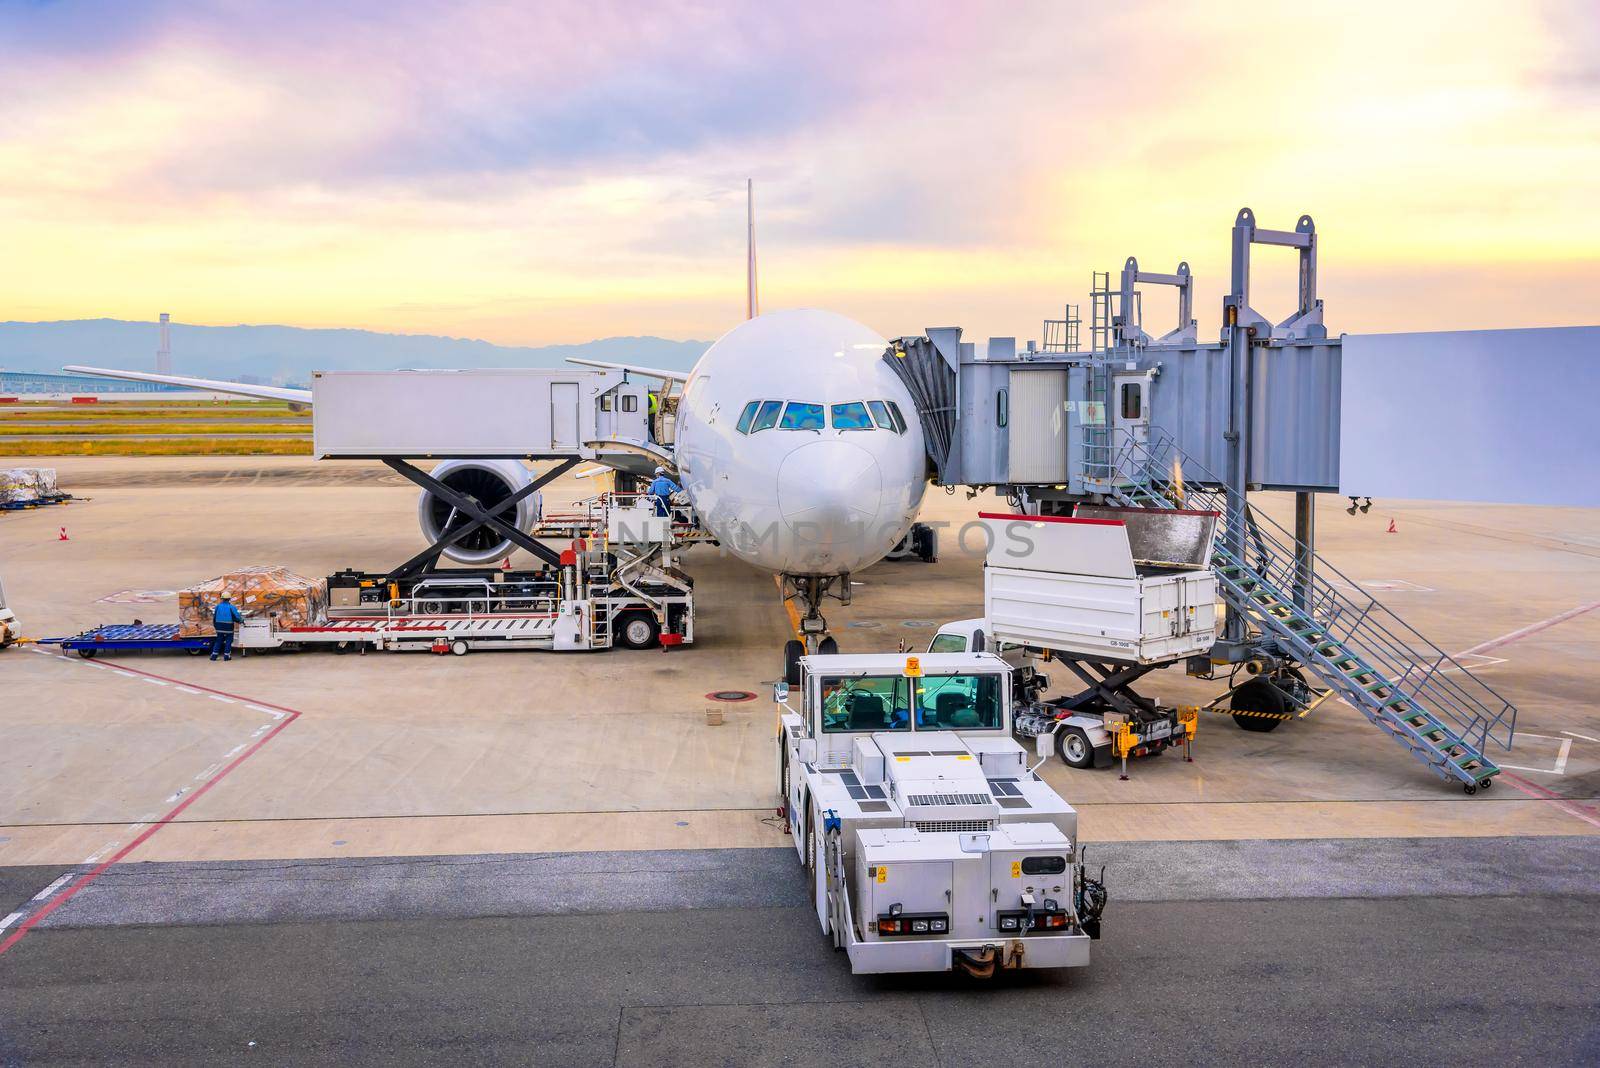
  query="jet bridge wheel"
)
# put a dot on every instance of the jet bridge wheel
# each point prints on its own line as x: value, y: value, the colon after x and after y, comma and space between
x: 1265, y: 700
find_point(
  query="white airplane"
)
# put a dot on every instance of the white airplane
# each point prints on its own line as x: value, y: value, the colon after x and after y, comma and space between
x: 798, y: 447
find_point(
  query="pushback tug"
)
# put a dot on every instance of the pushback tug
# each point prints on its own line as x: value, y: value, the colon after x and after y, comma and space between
x: 928, y: 841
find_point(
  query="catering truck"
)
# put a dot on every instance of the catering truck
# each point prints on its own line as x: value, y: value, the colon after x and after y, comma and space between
x: 1109, y: 595
x: 926, y: 839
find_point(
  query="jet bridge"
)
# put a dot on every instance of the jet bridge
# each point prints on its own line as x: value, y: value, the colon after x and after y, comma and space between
x: 1168, y: 421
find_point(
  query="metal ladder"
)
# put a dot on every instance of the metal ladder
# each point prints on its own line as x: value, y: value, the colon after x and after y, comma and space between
x: 1384, y: 668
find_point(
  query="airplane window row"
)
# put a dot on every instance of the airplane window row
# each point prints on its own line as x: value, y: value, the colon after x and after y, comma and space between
x: 804, y: 415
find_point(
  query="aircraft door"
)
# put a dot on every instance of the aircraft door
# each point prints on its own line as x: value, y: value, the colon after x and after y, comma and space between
x: 564, y: 415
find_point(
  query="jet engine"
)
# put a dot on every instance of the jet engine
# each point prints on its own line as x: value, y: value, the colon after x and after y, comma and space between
x: 489, y: 482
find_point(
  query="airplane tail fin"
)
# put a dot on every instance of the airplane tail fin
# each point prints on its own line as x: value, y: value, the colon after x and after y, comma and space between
x: 752, y: 295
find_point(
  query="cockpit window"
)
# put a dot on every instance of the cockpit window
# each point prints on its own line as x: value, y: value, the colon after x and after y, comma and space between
x: 767, y: 418
x: 747, y: 416
x: 851, y: 415
x: 880, y: 414
x: 899, y: 420
x: 798, y: 415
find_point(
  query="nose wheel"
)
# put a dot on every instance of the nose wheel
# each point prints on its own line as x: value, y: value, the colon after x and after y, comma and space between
x: 807, y: 592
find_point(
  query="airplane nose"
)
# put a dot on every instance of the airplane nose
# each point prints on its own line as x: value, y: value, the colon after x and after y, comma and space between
x: 828, y: 491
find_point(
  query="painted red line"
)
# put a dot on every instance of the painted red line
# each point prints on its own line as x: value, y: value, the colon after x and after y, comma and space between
x: 144, y: 836
x: 1540, y: 793
x: 1532, y: 628
x: 1052, y: 519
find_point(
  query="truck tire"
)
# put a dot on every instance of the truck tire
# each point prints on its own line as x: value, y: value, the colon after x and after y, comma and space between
x: 793, y: 650
x: 1258, y: 696
x: 637, y: 630
x: 1072, y: 746
x: 86, y: 652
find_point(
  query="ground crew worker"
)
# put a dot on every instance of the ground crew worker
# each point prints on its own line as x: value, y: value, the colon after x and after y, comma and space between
x: 662, y: 489
x: 223, y: 620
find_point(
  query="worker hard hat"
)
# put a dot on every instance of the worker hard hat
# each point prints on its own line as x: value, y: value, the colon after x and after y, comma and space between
x: 227, y: 597
x: 661, y: 470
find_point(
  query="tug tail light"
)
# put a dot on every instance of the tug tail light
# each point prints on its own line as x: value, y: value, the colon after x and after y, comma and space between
x: 895, y: 926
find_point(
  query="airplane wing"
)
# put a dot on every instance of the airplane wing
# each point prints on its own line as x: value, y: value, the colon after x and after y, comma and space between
x: 649, y: 372
x: 282, y: 393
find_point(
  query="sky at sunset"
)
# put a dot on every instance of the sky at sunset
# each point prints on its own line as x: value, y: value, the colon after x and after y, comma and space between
x: 534, y: 173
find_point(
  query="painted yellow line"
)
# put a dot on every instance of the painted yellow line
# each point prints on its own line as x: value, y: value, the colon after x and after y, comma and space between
x: 788, y: 606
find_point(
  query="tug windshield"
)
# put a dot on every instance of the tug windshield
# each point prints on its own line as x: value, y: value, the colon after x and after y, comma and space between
x: 885, y: 703
x: 958, y: 703
x: 873, y: 703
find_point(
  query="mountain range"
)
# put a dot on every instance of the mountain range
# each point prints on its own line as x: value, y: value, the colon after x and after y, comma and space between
x: 288, y: 354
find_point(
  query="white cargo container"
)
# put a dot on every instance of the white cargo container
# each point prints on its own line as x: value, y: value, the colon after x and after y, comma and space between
x: 481, y: 414
x: 1074, y: 585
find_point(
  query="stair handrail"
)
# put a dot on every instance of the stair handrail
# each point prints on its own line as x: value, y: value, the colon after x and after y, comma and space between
x: 1454, y: 690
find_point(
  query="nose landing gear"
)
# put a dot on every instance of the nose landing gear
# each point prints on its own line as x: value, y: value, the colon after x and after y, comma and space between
x: 803, y: 596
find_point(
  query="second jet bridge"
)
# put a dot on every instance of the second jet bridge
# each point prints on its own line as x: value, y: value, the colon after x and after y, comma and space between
x: 1260, y: 406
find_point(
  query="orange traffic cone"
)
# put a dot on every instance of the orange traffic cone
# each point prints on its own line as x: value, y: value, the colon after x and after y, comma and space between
x: 1391, y: 529
x: 63, y: 536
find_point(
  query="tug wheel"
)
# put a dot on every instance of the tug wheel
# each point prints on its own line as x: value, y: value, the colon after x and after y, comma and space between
x: 793, y: 650
x: 1072, y: 746
x: 1258, y: 695
x: 638, y: 630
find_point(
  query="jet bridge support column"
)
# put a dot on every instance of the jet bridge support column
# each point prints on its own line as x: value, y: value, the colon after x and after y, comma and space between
x: 1244, y: 328
x: 1305, y: 543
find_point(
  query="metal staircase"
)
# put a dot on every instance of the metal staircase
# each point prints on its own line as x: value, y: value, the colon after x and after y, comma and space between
x: 1405, y: 684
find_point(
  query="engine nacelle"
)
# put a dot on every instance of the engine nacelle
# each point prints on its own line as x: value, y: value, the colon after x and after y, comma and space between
x: 489, y: 482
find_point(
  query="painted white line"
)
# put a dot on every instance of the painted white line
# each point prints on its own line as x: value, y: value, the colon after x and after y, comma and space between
x: 181, y: 791
x: 232, y: 751
x: 53, y: 887
x: 1531, y: 628
x: 9, y: 920
x: 219, y: 697
x: 1585, y: 737
x: 135, y: 828
x: 1559, y: 767
x: 206, y: 774
x: 153, y: 682
x: 41, y: 650
x: 190, y: 689
x: 102, y: 851
x: 259, y: 731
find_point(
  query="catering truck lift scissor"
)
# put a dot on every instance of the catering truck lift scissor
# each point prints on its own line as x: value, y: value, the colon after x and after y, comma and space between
x: 927, y: 841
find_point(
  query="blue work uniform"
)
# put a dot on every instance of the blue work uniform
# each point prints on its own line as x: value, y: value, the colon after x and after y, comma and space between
x: 662, y: 490
x: 223, y: 620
